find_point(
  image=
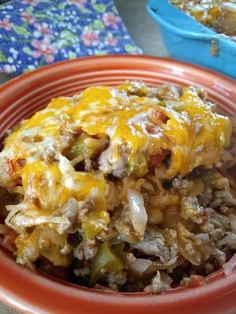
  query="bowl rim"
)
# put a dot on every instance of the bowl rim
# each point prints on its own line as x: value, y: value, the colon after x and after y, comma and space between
x: 143, y: 57
x: 12, y: 292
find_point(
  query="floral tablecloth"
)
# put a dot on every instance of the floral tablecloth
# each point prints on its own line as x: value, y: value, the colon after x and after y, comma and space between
x: 37, y: 32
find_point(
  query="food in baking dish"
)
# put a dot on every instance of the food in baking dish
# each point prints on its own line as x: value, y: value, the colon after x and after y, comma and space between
x: 220, y: 15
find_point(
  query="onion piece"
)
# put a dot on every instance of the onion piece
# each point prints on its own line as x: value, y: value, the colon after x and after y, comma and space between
x: 13, y: 211
x: 229, y: 240
x: 19, y: 221
x: 139, y: 265
x: 229, y: 266
x: 138, y: 211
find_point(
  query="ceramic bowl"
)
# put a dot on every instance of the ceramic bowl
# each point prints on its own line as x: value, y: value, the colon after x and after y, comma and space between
x: 34, y: 293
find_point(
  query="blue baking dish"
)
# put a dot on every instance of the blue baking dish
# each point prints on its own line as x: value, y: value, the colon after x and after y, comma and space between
x: 190, y: 41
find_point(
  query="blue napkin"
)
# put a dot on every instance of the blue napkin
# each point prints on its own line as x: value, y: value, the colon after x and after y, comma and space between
x: 37, y: 32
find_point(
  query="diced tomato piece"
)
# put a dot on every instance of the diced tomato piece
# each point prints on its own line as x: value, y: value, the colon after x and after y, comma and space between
x: 20, y: 162
x: 8, y: 240
x: 11, y: 166
x: 160, y: 115
x: 195, y: 281
x: 155, y: 160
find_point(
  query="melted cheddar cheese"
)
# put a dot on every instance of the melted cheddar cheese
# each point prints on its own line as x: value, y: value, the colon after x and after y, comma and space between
x: 193, y: 133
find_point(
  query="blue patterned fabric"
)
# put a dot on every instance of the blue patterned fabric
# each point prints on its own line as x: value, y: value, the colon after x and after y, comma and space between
x: 37, y: 32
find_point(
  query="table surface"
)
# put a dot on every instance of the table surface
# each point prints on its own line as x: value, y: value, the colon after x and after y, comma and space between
x: 146, y: 34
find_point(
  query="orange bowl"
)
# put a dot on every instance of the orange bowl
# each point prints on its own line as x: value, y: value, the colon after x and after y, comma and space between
x: 34, y: 293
